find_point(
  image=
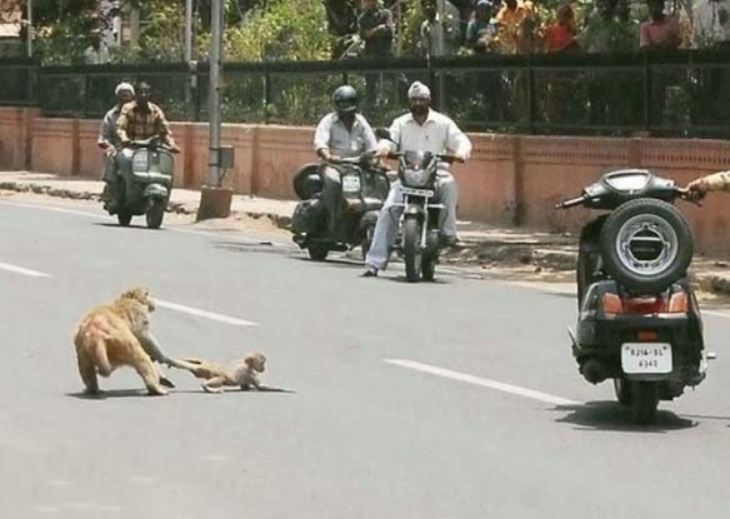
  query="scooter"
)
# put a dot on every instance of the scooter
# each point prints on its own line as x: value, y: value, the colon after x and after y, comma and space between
x: 146, y: 183
x: 365, y: 186
x: 639, y: 321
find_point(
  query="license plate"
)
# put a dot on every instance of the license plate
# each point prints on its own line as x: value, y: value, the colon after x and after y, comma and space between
x: 351, y: 183
x: 417, y: 192
x: 646, y: 357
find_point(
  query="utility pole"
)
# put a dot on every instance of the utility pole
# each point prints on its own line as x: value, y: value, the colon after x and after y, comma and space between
x: 29, y: 29
x: 214, y: 107
x: 192, y: 77
x: 215, y: 201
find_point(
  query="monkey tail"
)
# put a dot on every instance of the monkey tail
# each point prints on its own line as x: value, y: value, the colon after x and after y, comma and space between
x: 101, y: 359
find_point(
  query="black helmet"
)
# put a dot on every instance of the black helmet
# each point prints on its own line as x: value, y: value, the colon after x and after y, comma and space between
x: 345, y: 99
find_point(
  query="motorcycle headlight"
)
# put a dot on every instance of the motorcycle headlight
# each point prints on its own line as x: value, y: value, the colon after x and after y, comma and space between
x: 415, y: 177
x: 141, y: 161
x: 351, y: 184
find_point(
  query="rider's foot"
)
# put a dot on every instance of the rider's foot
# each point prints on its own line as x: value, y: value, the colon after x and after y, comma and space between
x: 370, y: 272
x: 451, y: 242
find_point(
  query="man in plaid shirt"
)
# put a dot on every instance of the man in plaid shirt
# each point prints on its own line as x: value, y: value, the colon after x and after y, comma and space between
x: 141, y: 120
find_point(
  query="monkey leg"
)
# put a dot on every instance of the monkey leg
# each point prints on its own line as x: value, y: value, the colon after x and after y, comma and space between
x: 87, y: 370
x: 146, y: 369
x: 214, y: 385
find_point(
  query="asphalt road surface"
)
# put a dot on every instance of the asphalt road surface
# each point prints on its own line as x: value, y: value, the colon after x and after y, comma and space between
x: 455, y: 399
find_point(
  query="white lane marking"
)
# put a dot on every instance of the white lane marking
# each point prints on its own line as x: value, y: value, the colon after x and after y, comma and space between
x: 484, y: 382
x: 209, y: 234
x: 203, y: 313
x: 42, y: 509
x: 56, y: 209
x: 23, y: 271
x: 216, y: 458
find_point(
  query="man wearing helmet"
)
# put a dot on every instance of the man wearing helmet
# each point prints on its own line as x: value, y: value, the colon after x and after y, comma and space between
x: 423, y: 129
x: 109, y: 142
x: 340, y: 134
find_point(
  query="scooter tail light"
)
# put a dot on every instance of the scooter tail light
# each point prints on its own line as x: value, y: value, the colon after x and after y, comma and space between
x: 611, y: 304
x: 678, y: 303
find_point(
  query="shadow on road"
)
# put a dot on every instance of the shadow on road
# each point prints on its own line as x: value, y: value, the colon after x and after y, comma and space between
x: 610, y: 416
x: 142, y: 393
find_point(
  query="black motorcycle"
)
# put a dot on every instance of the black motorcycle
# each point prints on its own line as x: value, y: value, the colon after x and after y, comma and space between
x: 418, y: 240
x: 639, y: 320
x: 365, y: 186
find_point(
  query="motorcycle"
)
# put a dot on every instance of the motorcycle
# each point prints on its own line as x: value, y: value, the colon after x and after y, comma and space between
x: 639, y: 321
x: 365, y: 186
x: 146, y: 183
x: 418, y: 238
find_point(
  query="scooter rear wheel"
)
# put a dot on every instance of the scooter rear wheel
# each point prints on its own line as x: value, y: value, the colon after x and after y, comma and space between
x: 318, y: 251
x: 644, y: 401
x: 124, y: 218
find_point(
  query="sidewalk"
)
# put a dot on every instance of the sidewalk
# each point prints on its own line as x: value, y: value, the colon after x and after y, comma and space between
x: 509, y: 252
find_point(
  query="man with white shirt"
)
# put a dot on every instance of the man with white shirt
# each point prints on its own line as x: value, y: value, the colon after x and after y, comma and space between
x: 340, y: 134
x: 423, y: 129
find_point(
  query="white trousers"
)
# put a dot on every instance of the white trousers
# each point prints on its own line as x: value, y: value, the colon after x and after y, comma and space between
x: 386, y: 230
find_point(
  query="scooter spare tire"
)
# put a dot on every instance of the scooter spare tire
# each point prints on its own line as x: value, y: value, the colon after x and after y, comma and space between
x: 646, y: 245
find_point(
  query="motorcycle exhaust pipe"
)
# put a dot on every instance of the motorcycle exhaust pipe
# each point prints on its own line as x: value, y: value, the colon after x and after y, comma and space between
x: 593, y: 371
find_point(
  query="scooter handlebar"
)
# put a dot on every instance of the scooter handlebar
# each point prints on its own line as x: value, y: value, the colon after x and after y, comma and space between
x: 572, y: 202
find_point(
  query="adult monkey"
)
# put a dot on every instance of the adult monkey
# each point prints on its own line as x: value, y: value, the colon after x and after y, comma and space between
x: 118, y: 334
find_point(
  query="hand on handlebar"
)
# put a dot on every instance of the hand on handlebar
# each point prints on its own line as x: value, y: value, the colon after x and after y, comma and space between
x: 694, y: 192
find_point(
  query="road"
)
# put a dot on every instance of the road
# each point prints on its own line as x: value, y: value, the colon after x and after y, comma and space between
x: 455, y: 399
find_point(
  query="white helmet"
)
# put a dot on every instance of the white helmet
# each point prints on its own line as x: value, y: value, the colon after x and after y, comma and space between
x: 124, y: 86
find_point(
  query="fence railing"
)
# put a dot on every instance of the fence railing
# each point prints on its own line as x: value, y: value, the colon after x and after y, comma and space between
x: 679, y: 93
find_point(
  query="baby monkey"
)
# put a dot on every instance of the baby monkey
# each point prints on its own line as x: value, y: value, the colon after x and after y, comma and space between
x: 216, y: 376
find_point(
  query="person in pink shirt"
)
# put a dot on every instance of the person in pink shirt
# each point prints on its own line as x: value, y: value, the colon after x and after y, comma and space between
x: 661, y: 31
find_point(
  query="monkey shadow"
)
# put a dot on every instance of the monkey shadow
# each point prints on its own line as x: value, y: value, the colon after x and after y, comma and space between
x: 142, y: 393
x: 610, y: 416
x: 110, y: 393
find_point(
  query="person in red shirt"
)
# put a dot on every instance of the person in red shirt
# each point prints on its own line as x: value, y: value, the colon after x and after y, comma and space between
x: 560, y: 36
x: 661, y: 31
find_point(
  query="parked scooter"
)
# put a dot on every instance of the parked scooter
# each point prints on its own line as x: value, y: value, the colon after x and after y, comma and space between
x: 365, y: 186
x: 146, y: 183
x: 418, y: 237
x: 639, y: 320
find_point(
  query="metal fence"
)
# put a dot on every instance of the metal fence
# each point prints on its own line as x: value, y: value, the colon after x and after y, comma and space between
x: 679, y: 93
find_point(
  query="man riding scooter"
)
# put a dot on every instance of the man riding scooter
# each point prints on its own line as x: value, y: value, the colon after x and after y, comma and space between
x: 425, y: 130
x: 109, y: 142
x: 140, y: 120
x: 341, y: 134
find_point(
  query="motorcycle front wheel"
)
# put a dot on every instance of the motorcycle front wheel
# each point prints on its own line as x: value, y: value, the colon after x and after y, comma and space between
x: 412, y: 249
x: 155, y: 214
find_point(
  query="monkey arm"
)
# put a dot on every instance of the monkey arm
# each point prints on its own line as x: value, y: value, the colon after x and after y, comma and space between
x: 154, y: 350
